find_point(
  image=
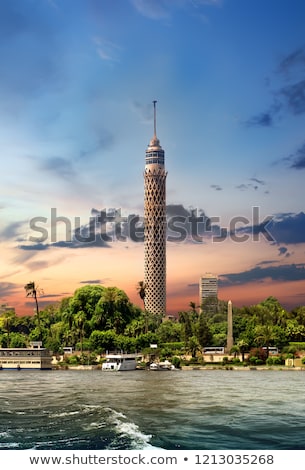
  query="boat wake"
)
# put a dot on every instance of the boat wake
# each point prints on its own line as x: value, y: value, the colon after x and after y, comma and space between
x: 127, y: 431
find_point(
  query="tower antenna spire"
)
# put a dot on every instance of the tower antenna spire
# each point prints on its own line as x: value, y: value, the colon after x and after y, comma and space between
x: 155, y: 120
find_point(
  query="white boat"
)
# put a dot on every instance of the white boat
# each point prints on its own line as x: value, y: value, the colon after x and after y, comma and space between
x: 166, y: 365
x: 120, y: 362
x: 34, y: 357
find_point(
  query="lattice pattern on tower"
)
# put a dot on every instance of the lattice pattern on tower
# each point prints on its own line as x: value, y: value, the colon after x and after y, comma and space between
x: 155, y: 239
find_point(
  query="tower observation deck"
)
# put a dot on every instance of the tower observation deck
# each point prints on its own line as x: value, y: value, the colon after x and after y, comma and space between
x: 155, y: 226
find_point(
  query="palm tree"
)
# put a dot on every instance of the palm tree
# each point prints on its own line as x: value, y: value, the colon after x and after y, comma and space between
x: 79, y: 321
x: 265, y: 335
x: 243, y: 346
x: 141, y: 288
x: 8, y: 318
x: 32, y: 291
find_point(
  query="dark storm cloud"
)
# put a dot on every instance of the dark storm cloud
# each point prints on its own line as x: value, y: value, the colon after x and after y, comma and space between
x: 295, y: 97
x: 8, y: 288
x: 288, y: 229
x: 108, y: 226
x: 289, y: 98
x: 177, y: 210
x: 256, y: 183
x: 266, y: 262
x: 297, y: 159
x: 42, y: 303
x: 34, y: 247
x: 11, y: 231
x: 256, y: 180
x: 291, y: 272
x: 264, y: 119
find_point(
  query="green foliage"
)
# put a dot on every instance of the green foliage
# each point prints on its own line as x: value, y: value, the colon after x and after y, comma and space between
x: 176, y: 361
x: 257, y: 356
x: 299, y: 346
x: 18, y: 340
x: 205, y: 334
x: 98, y: 318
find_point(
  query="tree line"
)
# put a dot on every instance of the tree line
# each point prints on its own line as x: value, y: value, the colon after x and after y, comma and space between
x: 99, y: 319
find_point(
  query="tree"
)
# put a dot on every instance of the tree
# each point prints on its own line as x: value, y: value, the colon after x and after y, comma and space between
x: 184, y: 318
x: 192, y: 346
x: 32, y: 291
x: 243, y: 346
x: 205, y: 335
x: 141, y: 288
x: 79, y: 322
x: 7, y: 321
x: 265, y: 334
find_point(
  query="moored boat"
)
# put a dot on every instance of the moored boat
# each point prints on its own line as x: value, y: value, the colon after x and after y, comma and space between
x: 33, y: 357
x: 120, y: 362
x: 166, y: 365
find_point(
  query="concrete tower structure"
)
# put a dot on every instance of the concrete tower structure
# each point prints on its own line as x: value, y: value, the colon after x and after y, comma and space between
x: 230, y: 340
x: 155, y: 226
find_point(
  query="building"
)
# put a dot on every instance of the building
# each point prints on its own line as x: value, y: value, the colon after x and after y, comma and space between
x: 208, y: 291
x: 155, y: 226
x: 6, y: 308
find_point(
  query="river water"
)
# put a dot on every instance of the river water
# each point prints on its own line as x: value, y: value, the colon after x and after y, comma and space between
x: 186, y: 410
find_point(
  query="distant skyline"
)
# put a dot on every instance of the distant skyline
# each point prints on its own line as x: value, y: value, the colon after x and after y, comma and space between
x: 77, y: 82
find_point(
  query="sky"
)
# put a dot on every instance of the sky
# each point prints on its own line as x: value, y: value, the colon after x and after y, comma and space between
x: 77, y: 81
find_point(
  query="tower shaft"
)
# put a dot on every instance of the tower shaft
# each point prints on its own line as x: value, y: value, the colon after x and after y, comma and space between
x: 155, y: 227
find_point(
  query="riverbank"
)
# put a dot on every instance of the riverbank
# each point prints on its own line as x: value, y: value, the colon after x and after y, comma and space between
x: 194, y: 368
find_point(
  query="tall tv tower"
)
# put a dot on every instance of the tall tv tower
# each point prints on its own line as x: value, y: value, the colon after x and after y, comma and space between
x: 155, y: 226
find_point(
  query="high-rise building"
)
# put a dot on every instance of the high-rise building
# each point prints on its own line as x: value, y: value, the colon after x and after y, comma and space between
x: 208, y: 290
x: 155, y: 226
x: 4, y: 308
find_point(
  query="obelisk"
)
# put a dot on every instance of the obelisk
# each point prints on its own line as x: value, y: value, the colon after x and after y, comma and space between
x: 230, y: 328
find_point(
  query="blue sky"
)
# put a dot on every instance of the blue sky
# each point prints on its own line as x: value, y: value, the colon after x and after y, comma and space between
x: 77, y: 78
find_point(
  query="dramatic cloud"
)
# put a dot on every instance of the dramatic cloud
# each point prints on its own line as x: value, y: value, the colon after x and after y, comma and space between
x: 256, y: 180
x: 291, y: 272
x: 288, y: 229
x: 295, y: 97
x: 12, y: 231
x: 254, y: 185
x: 264, y: 119
x: 8, y: 288
x: 288, y: 97
x: 297, y: 159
